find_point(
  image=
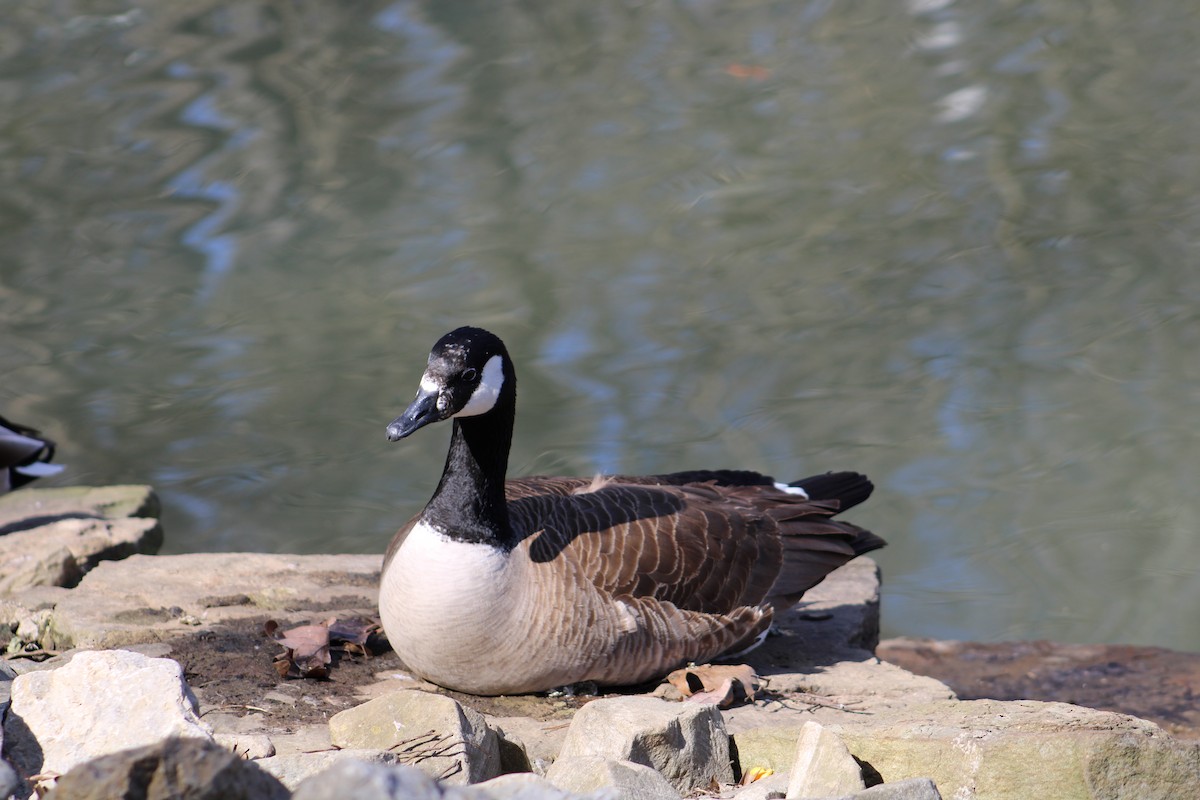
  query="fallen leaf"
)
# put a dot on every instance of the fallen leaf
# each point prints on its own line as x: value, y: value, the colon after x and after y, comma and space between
x: 354, y: 635
x: 307, y: 650
x: 722, y: 696
x: 707, y: 683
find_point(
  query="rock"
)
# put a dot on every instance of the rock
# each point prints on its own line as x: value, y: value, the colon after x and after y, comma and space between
x: 686, y: 742
x: 822, y: 767
x: 912, y: 789
x: 537, y: 742
x: 292, y: 769
x: 524, y: 786
x: 52, y: 537
x: 197, y: 769
x: 7, y: 676
x: 987, y: 748
x: 98, y: 703
x: 246, y: 745
x: 156, y: 598
x: 1028, y: 749
x: 362, y: 781
x: 772, y: 787
x: 30, y: 508
x: 632, y: 781
x: 431, y: 731
x: 10, y: 781
x: 22, y: 566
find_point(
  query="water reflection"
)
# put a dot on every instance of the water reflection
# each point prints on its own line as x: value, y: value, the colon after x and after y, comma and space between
x: 949, y: 245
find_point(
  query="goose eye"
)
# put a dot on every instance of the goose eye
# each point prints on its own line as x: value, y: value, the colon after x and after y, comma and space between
x: 469, y: 374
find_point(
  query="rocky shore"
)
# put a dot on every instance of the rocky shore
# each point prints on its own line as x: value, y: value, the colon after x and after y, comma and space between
x: 129, y: 671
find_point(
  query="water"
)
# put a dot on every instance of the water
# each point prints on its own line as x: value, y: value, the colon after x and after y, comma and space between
x: 953, y: 246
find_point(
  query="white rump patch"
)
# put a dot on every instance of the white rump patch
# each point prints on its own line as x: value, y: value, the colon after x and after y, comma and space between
x: 598, y: 482
x: 40, y: 469
x: 484, y: 398
x: 762, y: 637
x: 796, y: 490
x: 627, y: 617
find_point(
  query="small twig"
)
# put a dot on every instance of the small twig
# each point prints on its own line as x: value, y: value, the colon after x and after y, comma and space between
x: 416, y: 741
x: 38, y: 653
x: 814, y: 702
x: 230, y: 707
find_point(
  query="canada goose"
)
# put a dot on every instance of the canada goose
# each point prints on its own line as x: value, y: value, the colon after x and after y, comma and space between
x: 538, y: 583
x: 24, y: 455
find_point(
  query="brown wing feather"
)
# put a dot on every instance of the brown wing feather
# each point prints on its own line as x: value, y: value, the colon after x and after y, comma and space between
x: 704, y: 547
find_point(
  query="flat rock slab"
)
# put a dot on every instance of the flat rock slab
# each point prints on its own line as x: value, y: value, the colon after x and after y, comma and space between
x: 1149, y: 682
x: 991, y: 749
x: 29, y: 508
x: 52, y: 537
x: 158, y: 598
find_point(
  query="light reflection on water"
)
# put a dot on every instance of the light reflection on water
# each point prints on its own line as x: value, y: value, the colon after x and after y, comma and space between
x: 951, y: 247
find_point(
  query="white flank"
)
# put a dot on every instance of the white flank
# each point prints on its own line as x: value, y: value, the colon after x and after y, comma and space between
x: 484, y: 398
x: 796, y: 490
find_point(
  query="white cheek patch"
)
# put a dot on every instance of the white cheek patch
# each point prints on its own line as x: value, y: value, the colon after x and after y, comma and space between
x: 484, y: 398
x: 429, y: 385
x: 796, y: 490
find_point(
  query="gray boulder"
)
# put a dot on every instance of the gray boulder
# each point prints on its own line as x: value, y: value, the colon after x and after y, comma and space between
x: 100, y: 702
x: 363, y: 781
x: 911, y: 789
x: 293, y: 769
x: 192, y: 768
x: 630, y: 781
x: 522, y: 786
x: 685, y: 742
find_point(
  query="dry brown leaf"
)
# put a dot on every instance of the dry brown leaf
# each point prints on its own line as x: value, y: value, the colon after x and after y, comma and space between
x: 307, y: 650
x: 354, y: 634
x: 722, y: 696
x: 709, y: 681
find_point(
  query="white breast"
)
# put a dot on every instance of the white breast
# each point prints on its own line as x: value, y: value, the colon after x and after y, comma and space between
x: 446, y: 602
x: 477, y: 619
x: 431, y: 576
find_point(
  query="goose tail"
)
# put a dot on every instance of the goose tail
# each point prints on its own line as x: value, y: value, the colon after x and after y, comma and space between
x: 847, y: 488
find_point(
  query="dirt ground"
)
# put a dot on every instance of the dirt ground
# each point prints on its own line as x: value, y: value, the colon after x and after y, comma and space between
x: 230, y: 669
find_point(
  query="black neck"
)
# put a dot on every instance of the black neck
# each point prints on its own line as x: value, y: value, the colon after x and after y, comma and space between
x: 469, y: 502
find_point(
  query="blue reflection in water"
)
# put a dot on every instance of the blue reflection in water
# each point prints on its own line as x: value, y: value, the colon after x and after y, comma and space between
x: 205, y: 237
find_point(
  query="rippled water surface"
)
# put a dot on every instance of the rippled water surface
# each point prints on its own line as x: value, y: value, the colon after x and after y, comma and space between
x: 954, y: 246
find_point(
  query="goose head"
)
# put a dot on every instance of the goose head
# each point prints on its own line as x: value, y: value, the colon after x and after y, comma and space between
x: 468, y: 374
